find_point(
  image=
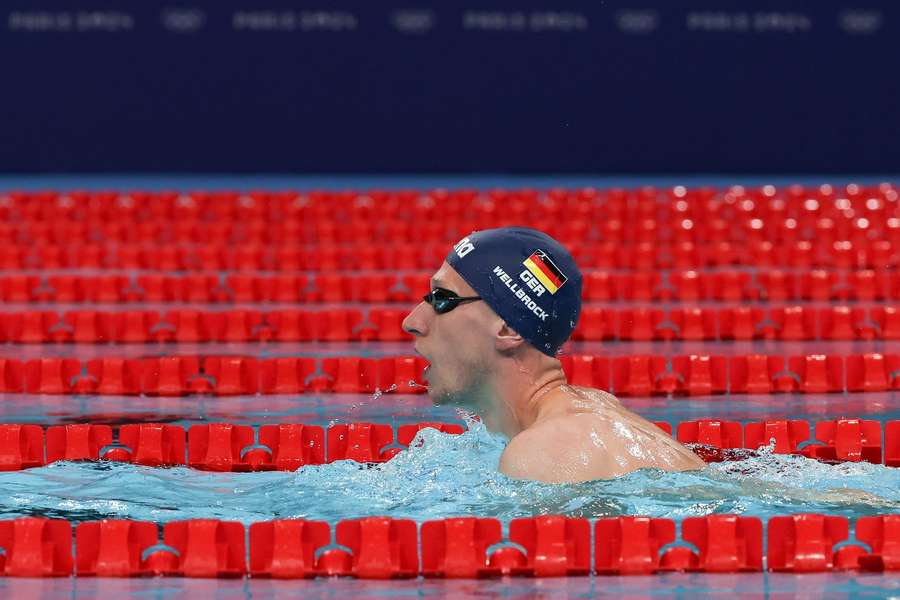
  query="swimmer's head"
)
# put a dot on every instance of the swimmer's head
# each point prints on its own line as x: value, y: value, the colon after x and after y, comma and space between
x: 524, y: 293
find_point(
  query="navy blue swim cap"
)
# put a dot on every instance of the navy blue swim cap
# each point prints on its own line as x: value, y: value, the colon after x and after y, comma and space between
x: 528, y: 278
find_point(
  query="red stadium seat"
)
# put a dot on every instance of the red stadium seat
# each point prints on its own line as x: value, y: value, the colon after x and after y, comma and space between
x: 285, y: 288
x: 245, y: 288
x: 30, y: 326
x: 186, y: 326
x: 639, y: 324
x: 290, y: 326
x: 794, y: 323
x: 741, y: 323
x: 18, y: 288
x: 156, y: 288
x: 694, y: 323
x: 597, y: 287
x: 66, y: 288
x: 888, y: 320
x: 133, y: 326
x: 242, y: 326
x: 12, y: 375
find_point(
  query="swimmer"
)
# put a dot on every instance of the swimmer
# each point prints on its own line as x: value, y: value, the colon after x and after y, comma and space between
x: 500, y: 307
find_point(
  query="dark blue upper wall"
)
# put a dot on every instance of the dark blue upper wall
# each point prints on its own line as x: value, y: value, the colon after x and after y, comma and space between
x: 601, y: 87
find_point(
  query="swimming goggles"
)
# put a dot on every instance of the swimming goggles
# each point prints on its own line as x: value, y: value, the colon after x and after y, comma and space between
x: 443, y: 301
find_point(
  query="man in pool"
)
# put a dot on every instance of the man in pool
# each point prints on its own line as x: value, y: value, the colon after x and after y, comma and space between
x: 500, y: 307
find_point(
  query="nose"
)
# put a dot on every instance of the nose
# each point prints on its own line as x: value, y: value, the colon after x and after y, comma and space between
x: 416, y: 322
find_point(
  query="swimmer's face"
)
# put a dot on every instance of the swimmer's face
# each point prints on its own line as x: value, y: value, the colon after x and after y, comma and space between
x: 457, y: 344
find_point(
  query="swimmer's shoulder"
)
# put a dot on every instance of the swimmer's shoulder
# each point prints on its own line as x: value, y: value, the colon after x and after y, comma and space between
x: 555, y: 450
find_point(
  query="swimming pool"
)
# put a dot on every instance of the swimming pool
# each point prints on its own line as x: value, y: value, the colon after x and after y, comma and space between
x: 451, y: 475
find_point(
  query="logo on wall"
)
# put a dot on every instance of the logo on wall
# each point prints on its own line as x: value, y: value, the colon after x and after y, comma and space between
x: 546, y: 271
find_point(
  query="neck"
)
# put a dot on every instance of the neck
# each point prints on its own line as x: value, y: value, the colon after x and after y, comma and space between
x: 519, y: 392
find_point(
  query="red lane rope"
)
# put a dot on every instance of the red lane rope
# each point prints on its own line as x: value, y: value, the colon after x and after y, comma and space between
x: 289, y: 446
x: 468, y: 547
x: 633, y: 375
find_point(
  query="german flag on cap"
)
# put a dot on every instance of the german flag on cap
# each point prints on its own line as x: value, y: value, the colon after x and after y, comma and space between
x: 545, y: 270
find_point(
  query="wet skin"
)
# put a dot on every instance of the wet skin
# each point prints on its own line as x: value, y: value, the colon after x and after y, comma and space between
x: 558, y: 432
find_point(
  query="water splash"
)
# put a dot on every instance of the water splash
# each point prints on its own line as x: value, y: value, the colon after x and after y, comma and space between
x: 442, y: 476
x: 379, y: 392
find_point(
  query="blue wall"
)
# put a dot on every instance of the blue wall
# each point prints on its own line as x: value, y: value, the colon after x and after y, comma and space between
x: 480, y: 87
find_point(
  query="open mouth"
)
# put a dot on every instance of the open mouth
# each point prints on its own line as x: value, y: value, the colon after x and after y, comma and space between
x: 427, y: 368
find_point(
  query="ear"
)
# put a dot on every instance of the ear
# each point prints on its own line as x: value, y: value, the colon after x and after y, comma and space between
x: 507, y: 340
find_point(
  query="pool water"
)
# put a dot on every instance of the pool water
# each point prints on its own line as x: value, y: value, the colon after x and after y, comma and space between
x: 439, y: 476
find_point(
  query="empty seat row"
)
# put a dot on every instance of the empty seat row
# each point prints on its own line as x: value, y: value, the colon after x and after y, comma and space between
x: 385, y: 324
x: 207, y: 257
x: 218, y: 375
x: 210, y: 447
x: 379, y: 287
x: 366, y: 255
x: 376, y: 287
x: 464, y: 547
x: 735, y: 285
x: 142, y: 326
x: 670, y: 226
x: 287, y: 447
x: 208, y: 204
x: 703, y: 374
x: 740, y: 323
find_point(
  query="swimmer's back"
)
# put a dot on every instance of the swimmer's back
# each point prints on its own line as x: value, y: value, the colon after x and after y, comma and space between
x: 587, y: 434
